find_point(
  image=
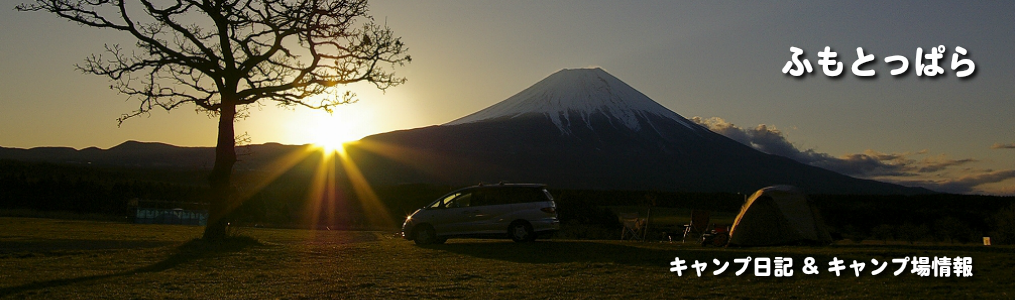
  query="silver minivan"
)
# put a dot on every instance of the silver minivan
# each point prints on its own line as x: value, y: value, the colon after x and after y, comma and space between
x: 512, y: 210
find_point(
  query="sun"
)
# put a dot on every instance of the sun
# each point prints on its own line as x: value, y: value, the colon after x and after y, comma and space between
x: 331, y: 144
x: 331, y: 131
x: 331, y: 138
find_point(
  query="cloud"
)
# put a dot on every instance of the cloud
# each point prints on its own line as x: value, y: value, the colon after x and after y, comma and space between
x: 720, y: 126
x: 1003, y: 146
x: 764, y: 138
x: 868, y: 164
x: 962, y: 185
x: 900, y: 168
x: 931, y: 165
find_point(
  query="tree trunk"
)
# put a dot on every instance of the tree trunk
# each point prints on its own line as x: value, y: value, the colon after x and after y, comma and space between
x: 221, y: 173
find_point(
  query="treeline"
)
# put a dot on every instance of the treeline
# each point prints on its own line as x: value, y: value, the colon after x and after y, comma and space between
x: 83, y: 189
x: 938, y: 217
x: 298, y: 198
x: 709, y: 201
x: 945, y: 218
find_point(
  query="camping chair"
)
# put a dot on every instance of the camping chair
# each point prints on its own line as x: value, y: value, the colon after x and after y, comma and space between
x: 719, y: 236
x: 633, y: 226
x: 721, y: 228
x: 698, y: 225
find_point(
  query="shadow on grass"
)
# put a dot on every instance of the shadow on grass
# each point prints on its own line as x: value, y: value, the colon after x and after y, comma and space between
x: 47, y: 247
x: 194, y: 250
x: 639, y: 254
x: 914, y: 248
x: 550, y: 252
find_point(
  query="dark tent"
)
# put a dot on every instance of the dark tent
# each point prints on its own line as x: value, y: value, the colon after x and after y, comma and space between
x: 778, y: 215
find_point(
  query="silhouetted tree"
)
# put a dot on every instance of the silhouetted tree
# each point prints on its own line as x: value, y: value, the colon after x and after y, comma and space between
x: 883, y: 232
x: 911, y: 232
x: 222, y: 55
x: 853, y: 234
x: 951, y: 229
x: 1004, y: 226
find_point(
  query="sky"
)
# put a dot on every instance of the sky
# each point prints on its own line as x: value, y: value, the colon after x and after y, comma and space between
x: 717, y: 63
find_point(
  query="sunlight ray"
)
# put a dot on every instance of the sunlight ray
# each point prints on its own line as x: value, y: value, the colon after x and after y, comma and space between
x: 318, y: 189
x: 249, y: 184
x: 372, y: 206
x: 257, y: 181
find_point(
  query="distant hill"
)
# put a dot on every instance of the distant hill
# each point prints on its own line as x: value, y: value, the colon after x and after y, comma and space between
x: 148, y: 155
x: 576, y: 129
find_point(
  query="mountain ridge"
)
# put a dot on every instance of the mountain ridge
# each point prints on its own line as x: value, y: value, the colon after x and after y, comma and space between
x: 575, y: 129
x: 587, y: 129
x: 201, y: 158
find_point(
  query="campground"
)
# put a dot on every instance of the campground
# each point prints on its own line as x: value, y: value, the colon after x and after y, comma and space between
x: 62, y: 259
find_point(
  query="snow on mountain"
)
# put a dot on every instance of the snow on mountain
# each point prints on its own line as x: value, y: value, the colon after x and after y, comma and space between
x: 610, y: 136
x: 580, y: 93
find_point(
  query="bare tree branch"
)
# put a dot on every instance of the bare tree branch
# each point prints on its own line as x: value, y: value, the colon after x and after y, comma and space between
x: 222, y: 55
x: 239, y: 51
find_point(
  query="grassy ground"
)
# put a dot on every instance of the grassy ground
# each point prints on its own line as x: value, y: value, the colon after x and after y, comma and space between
x: 55, y: 259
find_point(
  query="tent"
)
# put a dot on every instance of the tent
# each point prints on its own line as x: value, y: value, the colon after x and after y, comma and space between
x: 778, y: 215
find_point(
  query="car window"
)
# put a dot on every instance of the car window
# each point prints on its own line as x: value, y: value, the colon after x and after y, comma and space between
x: 500, y: 196
x: 445, y: 200
x: 530, y: 195
x: 495, y: 196
x: 461, y: 200
x: 480, y: 197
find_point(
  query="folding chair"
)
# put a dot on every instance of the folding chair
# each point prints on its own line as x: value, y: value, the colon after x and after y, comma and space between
x: 633, y: 226
x: 698, y: 225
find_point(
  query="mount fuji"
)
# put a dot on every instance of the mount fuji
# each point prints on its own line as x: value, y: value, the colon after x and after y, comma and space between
x: 586, y: 129
x: 584, y: 93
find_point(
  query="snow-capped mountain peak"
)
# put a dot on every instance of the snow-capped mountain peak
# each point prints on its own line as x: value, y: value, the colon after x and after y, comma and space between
x: 581, y: 93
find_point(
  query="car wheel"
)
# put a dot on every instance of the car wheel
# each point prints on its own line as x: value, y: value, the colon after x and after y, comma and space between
x: 521, y: 232
x: 425, y: 235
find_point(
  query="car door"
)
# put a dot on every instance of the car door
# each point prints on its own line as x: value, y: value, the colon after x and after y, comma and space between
x: 482, y: 211
x: 490, y: 215
x: 455, y: 215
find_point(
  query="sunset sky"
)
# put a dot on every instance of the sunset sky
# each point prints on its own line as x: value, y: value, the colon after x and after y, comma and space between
x: 719, y: 62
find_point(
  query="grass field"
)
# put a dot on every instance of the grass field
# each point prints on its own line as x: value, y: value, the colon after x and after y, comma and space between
x: 56, y: 259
